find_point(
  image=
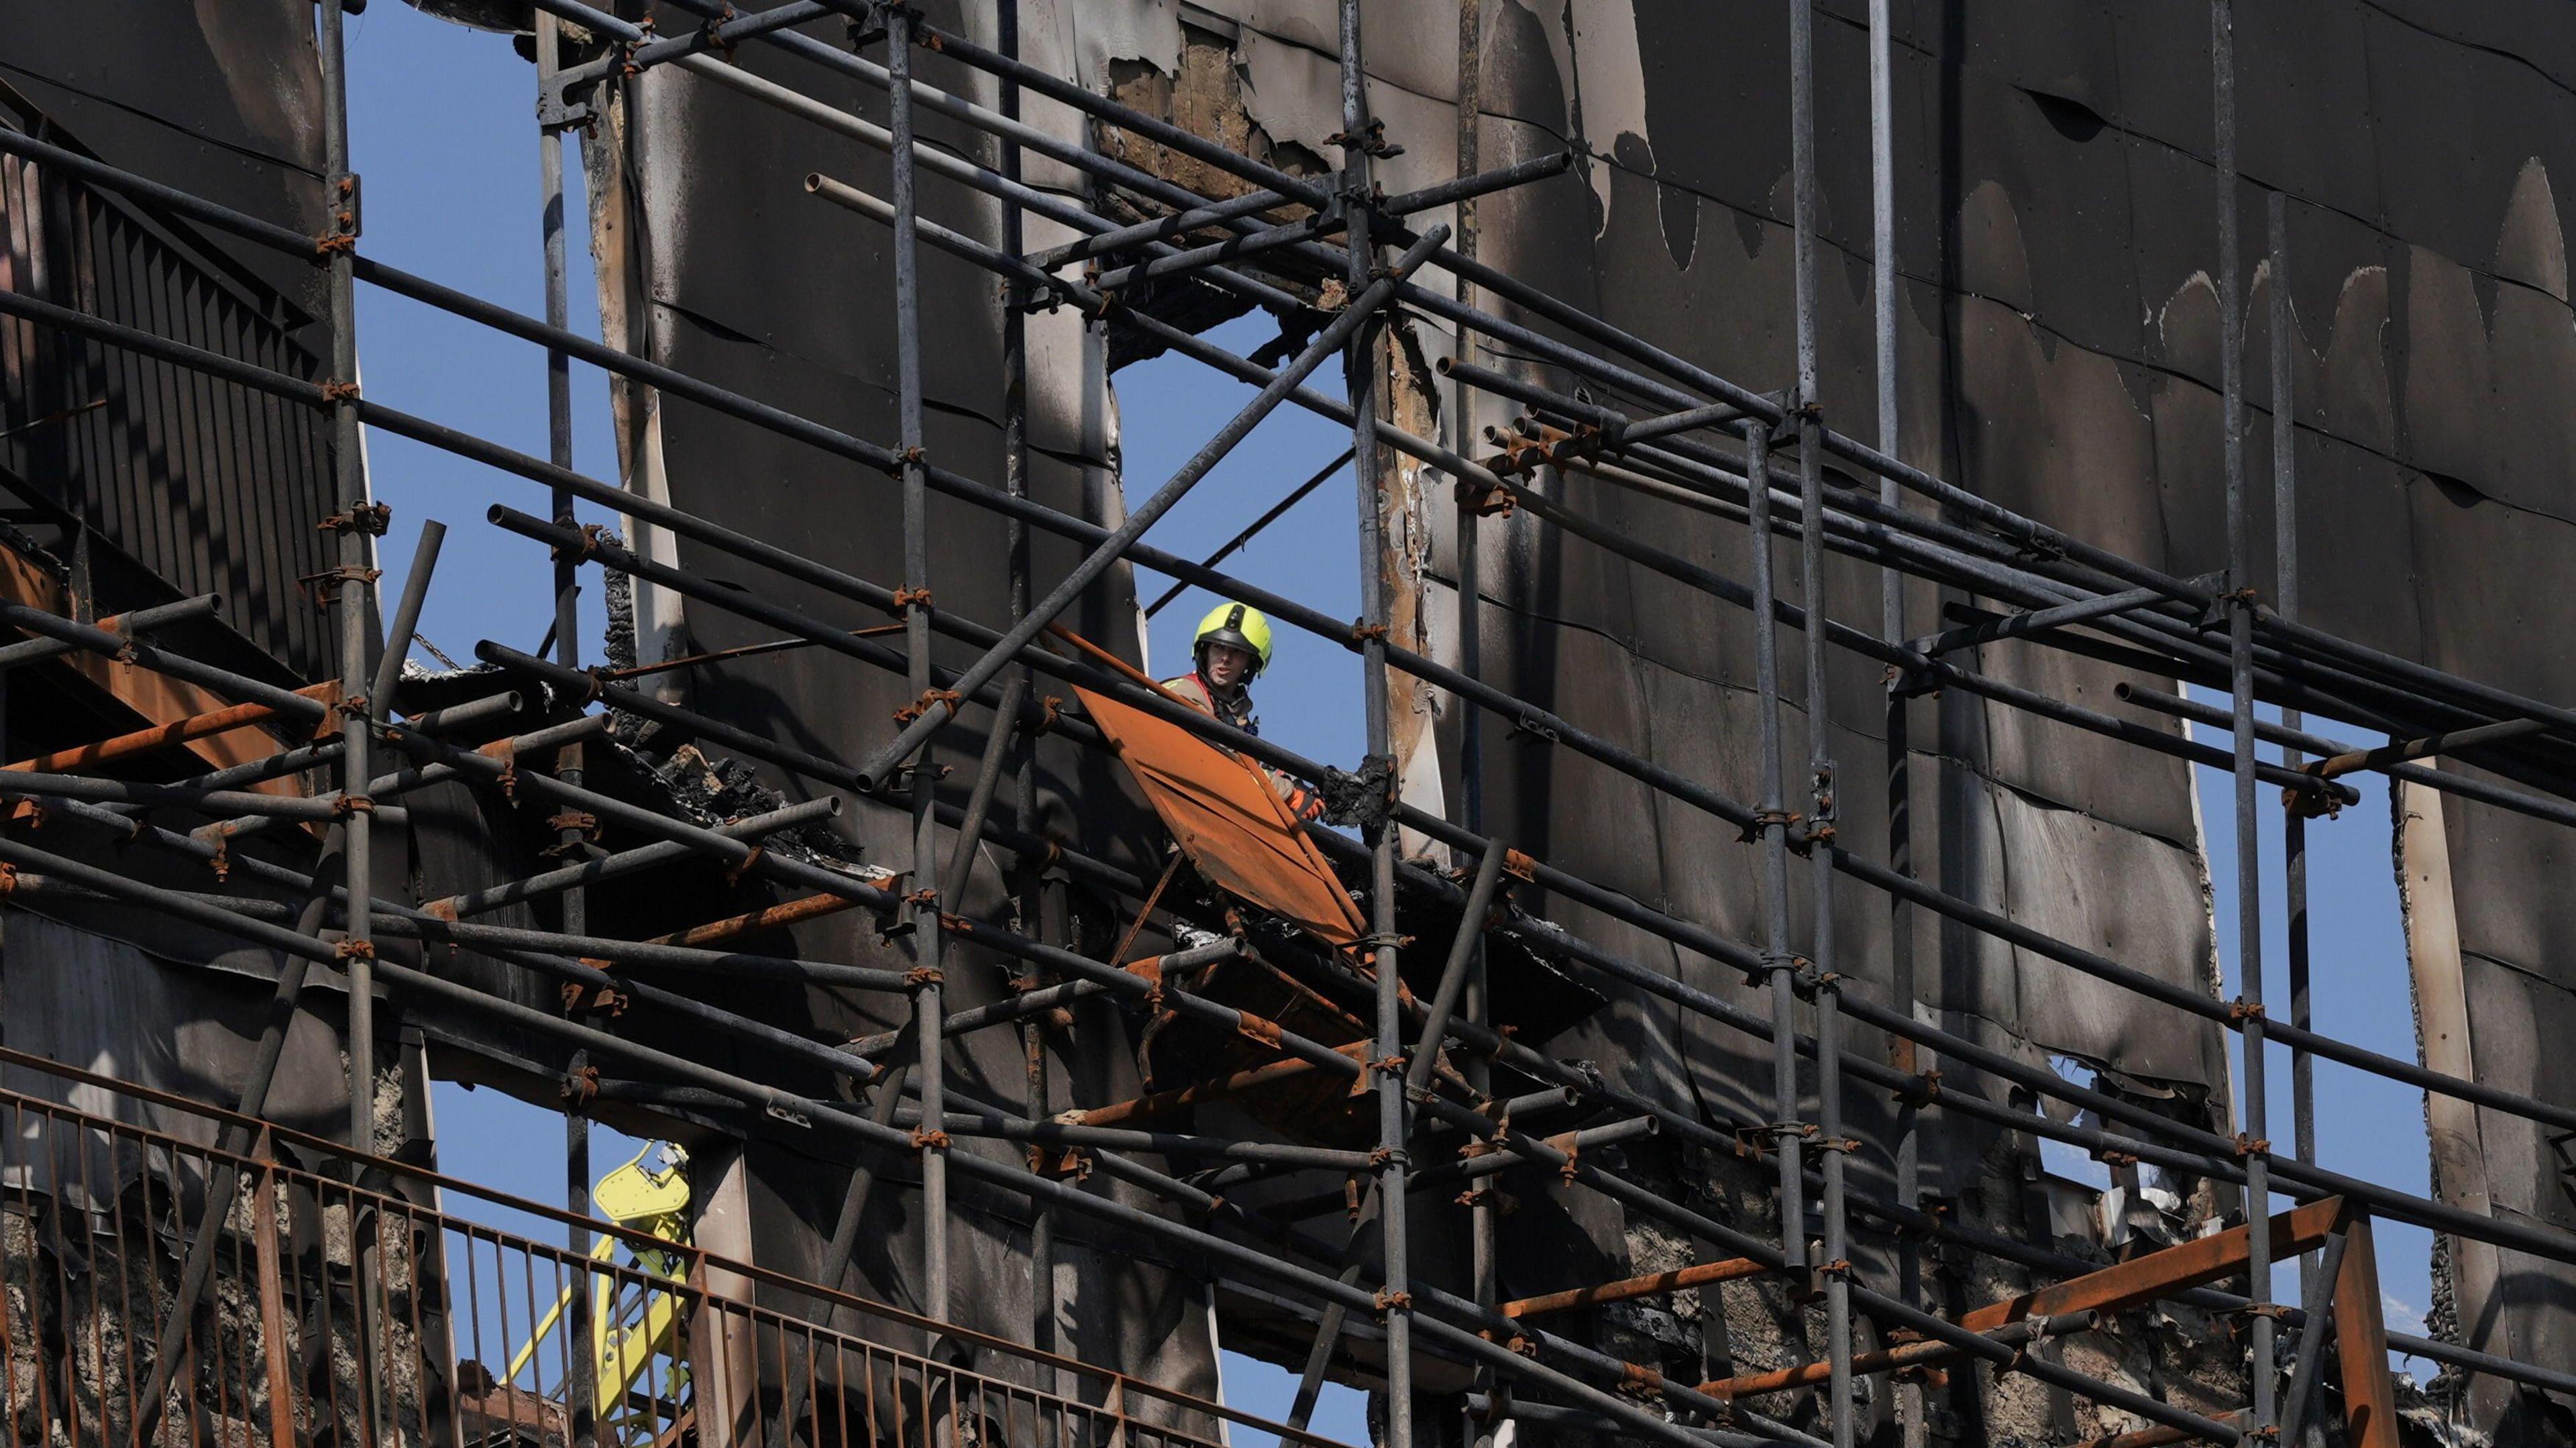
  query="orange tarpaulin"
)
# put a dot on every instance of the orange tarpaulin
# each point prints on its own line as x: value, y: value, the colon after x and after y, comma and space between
x: 1222, y: 812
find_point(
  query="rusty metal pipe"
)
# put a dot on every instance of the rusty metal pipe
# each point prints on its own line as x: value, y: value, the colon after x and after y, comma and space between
x: 1569, y: 1144
x: 767, y: 917
x: 158, y: 737
x: 311, y: 756
x: 1888, y: 1360
x: 1733, y: 1269
x: 1163, y: 1103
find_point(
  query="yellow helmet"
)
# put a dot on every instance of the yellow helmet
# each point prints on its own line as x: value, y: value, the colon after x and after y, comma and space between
x: 1240, y: 625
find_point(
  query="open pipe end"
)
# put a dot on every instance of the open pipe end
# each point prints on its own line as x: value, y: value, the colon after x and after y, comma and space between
x: 813, y: 180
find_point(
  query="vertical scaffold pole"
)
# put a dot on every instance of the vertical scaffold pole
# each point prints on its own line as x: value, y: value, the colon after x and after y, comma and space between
x: 1820, y: 763
x: 1482, y: 1221
x: 1772, y: 814
x: 1802, y: 93
x: 923, y: 893
x: 1885, y: 279
x: 1029, y: 882
x: 350, y: 596
x: 1360, y: 368
x: 349, y: 480
x: 570, y: 836
x: 2285, y: 585
x: 2249, y: 879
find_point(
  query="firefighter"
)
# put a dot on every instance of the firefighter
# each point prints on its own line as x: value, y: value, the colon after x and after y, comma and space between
x: 1230, y: 651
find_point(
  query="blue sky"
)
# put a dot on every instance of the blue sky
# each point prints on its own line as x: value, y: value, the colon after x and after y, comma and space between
x: 443, y: 131
x: 2366, y: 1126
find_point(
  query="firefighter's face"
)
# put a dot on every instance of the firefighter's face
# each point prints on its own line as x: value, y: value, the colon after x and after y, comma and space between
x: 1227, y: 665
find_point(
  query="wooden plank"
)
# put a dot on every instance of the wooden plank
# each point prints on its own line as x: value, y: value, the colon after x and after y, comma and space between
x: 2162, y: 1274
x: 2361, y: 1344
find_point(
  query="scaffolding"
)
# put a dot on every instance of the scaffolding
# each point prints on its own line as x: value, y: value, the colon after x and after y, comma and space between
x: 1678, y: 433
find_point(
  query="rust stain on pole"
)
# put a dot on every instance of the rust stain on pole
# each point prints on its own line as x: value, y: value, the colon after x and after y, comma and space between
x: 163, y: 736
x: 786, y: 912
x: 1161, y: 1103
x: 1701, y: 1275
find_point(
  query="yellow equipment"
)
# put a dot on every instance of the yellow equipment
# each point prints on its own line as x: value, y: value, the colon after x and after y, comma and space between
x: 633, y: 1327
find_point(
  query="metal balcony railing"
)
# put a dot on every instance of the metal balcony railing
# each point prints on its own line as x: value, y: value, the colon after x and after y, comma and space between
x: 356, y: 1301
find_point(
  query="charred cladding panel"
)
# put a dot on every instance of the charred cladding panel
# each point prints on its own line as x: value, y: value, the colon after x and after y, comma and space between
x: 188, y: 484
